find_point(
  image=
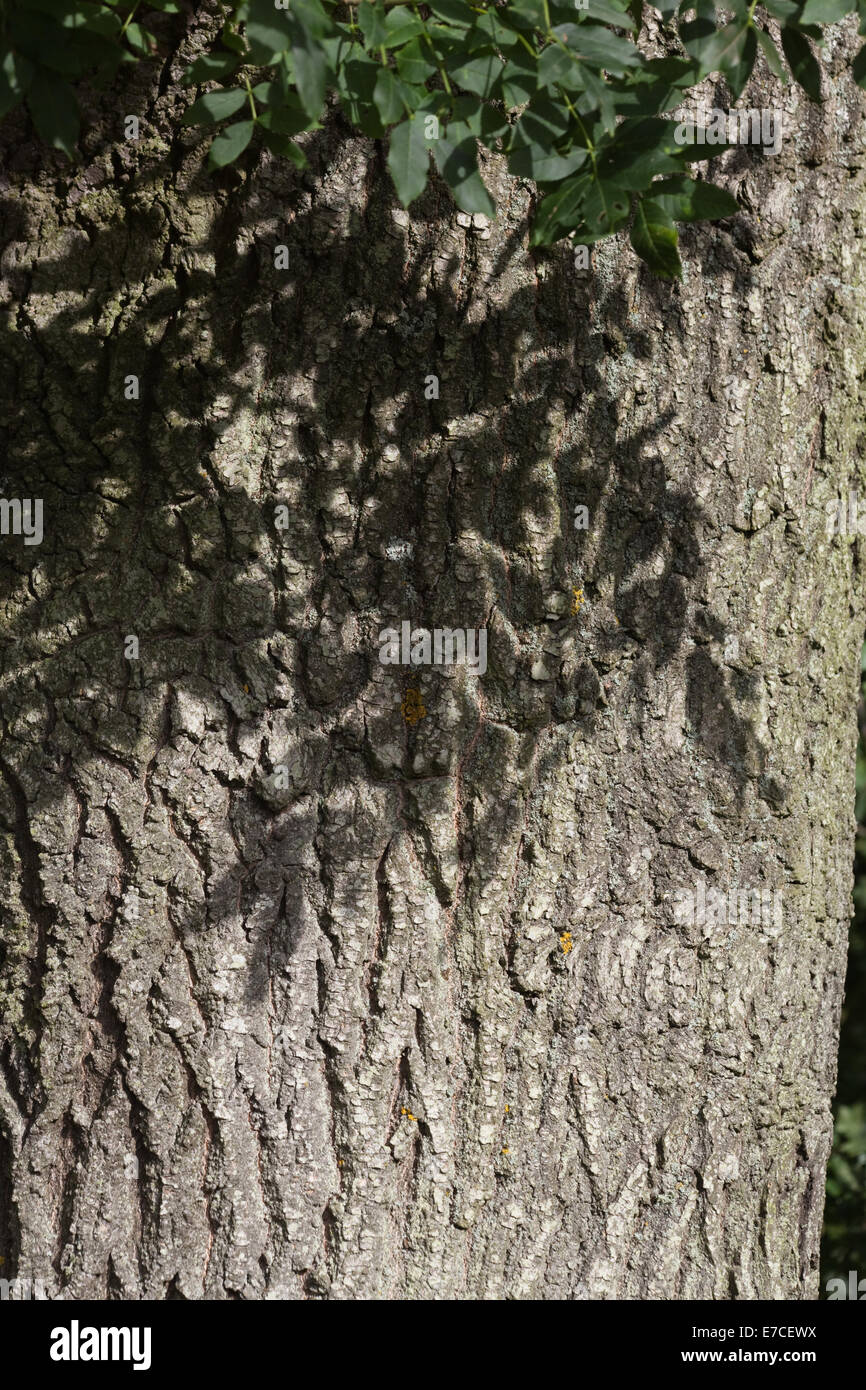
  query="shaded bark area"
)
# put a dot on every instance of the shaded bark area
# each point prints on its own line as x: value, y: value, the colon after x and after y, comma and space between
x: 416, y: 1018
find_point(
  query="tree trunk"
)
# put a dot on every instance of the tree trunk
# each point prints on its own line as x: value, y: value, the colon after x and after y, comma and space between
x: 325, y: 978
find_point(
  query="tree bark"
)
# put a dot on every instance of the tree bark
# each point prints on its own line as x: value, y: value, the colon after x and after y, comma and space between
x: 418, y: 1017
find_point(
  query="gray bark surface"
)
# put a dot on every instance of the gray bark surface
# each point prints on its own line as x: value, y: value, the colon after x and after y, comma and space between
x: 422, y: 1024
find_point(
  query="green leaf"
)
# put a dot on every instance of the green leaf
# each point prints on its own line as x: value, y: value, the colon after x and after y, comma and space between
x: 490, y: 24
x: 528, y: 14
x: 210, y: 67
x: 215, y: 106
x: 448, y: 44
x: 401, y: 26
x: 456, y: 155
x: 545, y: 166
x: 230, y: 143
x: 633, y: 168
x: 628, y: 17
x: 802, y: 62
x: 267, y: 31
x: 356, y: 83
x: 483, y: 120
x: 589, y: 207
x: 269, y: 93
x: 371, y: 22
x: 858, y: 67
x: 480, y: 74
x: 600, y: 93
x: 387, y: 97
x: 825, y: 11
x: 290, y: 119
x: 698, y: 31
x: 104, y: 22
x: 90, y: 46
x: 542, y: 125
x: 16, y: 74
x: 640, y: 150
x: 456, y: 12
x: 721, y: 50
x: 519, y: 78
x: 58, y: 8
x: 311, y: 68
x: 558, y: 208
x: 313, y: 18
x: 52, y: 105
x: 413, y: 63
x: 230, y: 37
x: 282, y: 145
x: 533, y: 154
x: 598, y: 46
x: 557, y: 66
x: 654, y: 238
x: 652, y: 89
x: 140, y: 39
x: 692, y: 200
x: 771, y: 53
x: 738, y: 73
x: 44, y: 43
x: 409, y: 158
x: 604, y: 209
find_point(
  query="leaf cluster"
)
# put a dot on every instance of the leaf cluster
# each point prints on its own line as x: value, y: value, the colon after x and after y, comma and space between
x: 560, y: 87
x: 47, y: 46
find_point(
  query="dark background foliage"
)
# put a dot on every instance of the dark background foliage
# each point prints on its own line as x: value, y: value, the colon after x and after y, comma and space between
x: 844, y: 1245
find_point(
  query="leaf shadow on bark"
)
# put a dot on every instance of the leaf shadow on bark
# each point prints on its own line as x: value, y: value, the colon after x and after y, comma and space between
x: 154, y: 778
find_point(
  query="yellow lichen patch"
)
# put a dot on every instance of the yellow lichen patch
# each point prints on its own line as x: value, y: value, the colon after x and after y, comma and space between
x: 411, y: 1116
x: 566, y: 942
x: 505, y: 1151
x: 412, y: 707
x: 576, y: 601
